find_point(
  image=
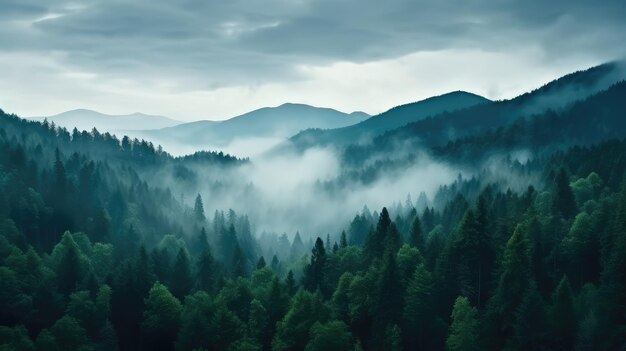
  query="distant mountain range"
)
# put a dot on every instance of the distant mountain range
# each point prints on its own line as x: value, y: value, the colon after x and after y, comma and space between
x: 431, y: 122
x: 83, y: 119
x: 269, y: 122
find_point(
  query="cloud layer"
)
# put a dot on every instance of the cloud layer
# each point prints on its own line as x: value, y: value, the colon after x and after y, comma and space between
x: 213, y: 59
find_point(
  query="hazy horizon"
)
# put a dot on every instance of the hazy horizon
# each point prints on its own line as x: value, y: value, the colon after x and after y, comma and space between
x: 210, y: 62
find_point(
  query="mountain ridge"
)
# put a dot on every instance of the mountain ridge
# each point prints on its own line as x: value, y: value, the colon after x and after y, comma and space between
x: 86, y: 119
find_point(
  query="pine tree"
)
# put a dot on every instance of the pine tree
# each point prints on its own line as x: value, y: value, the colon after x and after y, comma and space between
x: 60, y: 179
x: 238, y: 263
x: 529, y: 329
x: 562, y: 316
x: 393, y: 339
x: 416, y: 236
x: 614, y: 276
x: 69, y: 270
x: 314, y: 271
x: 464, y: 329
x: 198, y: 209
x: 512, y: 284
x: 201, y: 242
x: 389, y: 300
x: 467, y: 261
x: 161, y: 318
x: 277, y: 304
x: 144, y: 275
x: 261, y: 263
x: 275, y: 264
x: 564, y: 201
x: 375, y: 241
x: 418, y: 307
x: 392, y: 239
x: 205, y: 278
x: 297, y: 247
x: 290, y: 283
x: 331, y: 336
x: 343, y: 242
x: 181, y: 280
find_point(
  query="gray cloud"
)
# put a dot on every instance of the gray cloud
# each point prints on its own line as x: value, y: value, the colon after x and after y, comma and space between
x: 194, y: 45
x: 227, y: 42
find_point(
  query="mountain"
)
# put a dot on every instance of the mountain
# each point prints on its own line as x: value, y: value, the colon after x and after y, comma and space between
x: 278, y: 122
x: 461, y: 114
x: 391, y: 119
x: 593, y: 120
x: 438, y: 130
x: 84, y: 119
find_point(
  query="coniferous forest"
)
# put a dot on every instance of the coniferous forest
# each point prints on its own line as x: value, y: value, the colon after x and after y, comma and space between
x: 99, y: 252
x: 454, y: 223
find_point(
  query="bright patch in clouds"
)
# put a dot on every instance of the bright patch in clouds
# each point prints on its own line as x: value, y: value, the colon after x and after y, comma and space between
x: 372, y: 87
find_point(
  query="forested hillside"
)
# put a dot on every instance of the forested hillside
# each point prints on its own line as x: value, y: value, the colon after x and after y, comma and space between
x: 100, y: 251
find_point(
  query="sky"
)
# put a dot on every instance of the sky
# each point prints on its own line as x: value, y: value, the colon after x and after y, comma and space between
x: 208, y: 59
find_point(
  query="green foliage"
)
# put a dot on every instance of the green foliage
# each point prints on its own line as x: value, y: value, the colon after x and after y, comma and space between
x: 292, y: 332
x: 161, y: 319
x: 198, y: 209
x: 78, y: 210
x: 330, y: 336
x: 15, y: 339
x: 418, y: 308
x: 562, y: 316
x: 314, y: 272
x: 67, y: 334
x: 464, y: 329
x: 181, y: 281
x: 564, y: 201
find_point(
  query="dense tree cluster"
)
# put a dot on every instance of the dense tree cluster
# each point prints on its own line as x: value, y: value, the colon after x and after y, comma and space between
x: 92, y: 258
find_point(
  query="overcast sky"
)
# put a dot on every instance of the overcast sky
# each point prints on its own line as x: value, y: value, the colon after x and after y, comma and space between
x: 209, y: 59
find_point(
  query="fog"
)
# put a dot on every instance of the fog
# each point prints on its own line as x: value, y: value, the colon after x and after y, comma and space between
x: 314, y: 194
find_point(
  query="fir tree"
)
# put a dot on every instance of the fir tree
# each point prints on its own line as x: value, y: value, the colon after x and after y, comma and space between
x: 562, y: 316
x: 181, y: 280
x: 564, y: 201
x: 205, y: 277
x: 314, y: 271
x: 343, y: 242
x: 261, y: 263
x: 198, y: 209
x: 464, y: 329
x: 416, y: 236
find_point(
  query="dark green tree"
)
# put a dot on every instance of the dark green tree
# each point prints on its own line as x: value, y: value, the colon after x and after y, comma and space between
x: 314, y: 272
x: 161, y: 319
x: 330, y: 336
x: 290, y: 283
x: 389, y: 300
x: 416, y: 236
x: 181, y: 281
x: 261, y: 263
x: 418, y: 308
x: 205, y: 271
x: 564, y: 200
x: 464, y: 329
x: 238, y: 262
x: 292, y: 332
x: 512, y: 284
x: 198, y: 209
x: 69, y: 270
x: 562, y: 317
x: 343, y: 241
